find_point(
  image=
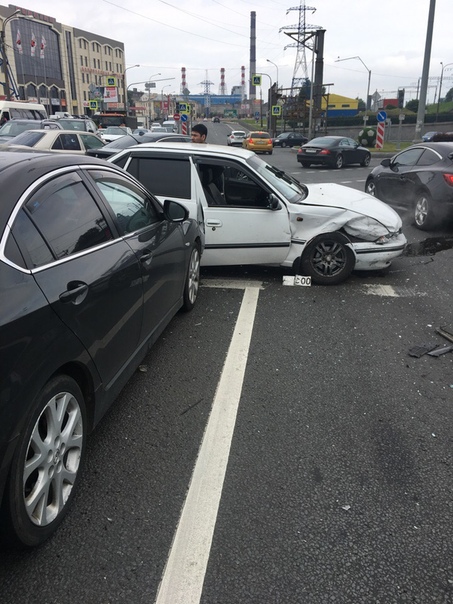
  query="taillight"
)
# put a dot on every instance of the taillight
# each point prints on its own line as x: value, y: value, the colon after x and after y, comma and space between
x: 449, y: 179
x: 324, y: 152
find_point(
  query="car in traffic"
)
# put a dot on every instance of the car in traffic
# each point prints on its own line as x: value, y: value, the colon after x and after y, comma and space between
x: 418, y: 179
x: 236, y: 138
x: 216, y: 119
x: 130, y: 140
x: 92, y: 269
x: 428, y: 136
x: 79, y: 124
x: 289, y: 139
x: 14, y: 127
x: 333, y: 152
x: 255, y: 213
x: 260, y: 142
x: 60, y: 141
x: 112, y: 133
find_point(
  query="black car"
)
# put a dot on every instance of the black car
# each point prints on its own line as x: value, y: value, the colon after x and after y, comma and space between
x: 129, y: 140
x: 289, y: 139
x: 92, y: 269
x: 333, y: 152
x: 419, y: 178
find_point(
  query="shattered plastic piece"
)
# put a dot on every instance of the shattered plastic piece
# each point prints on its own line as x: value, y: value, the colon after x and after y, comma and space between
x: 446, y: 334
x: 419, y: 351
x: 442, y: 350
x: 143, y: 368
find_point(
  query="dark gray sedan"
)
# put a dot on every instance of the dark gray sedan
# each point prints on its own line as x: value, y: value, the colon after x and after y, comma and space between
x: 333, y: 152
x: 419, y: 178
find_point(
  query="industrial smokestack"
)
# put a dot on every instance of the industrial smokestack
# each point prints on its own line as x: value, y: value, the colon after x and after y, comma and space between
x: 252, y: 89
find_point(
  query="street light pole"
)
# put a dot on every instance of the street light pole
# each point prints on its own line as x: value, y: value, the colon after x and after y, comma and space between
x: 5, y: 57
x: 162, y: 98
x: 276, y: 67
x: 125, y: 87
x: 365, y: 117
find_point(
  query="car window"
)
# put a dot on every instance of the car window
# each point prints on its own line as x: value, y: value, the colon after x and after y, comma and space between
x: 67, y: 216
x: 132, y: 209
x: 408, y: 157
x: 35, y: 249
x: 27, y: 138
x: 66, y: 142
x: 73, y: 125
x: 91, y: 141
x: 428, y: 158
x: 259, y: 135
x: 167, y: 177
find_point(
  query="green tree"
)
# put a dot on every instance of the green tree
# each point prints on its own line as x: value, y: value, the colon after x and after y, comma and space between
x: 412, y: 105
x: 449, y: 95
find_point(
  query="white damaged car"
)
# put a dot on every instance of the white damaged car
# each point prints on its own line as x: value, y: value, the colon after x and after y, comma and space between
x: 254, y: 213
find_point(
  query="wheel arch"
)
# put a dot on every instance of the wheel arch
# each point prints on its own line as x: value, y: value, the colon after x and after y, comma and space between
x: 342, y: 237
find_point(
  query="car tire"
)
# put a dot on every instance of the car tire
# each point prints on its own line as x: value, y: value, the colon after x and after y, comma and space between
x: 46, y: 464
x: 370, y: 187
x: 192, y: 280
x: 283, y: 145
x: 328, y: 260
x: 338, y: 162
x: 270, y: 152
x: 366, y: 160
x: 305, y: 164
x: 425, y: 217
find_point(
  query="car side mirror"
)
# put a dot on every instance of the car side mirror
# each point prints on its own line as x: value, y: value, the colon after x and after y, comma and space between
x: 273, y: 203
x: 174, y: 211
x: 385, y: 162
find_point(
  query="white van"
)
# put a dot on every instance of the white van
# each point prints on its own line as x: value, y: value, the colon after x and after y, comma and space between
x: 170, y: 125
x: 21, y: 110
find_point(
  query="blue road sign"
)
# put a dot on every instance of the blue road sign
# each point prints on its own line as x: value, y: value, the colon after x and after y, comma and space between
x: 381, y: 116
x: 184, y: 117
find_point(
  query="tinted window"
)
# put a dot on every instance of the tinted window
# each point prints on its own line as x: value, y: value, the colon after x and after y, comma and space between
x: 67, y: 216
x: 28, y: 138
x: 132, y: 209
x: 163, y: 177
x: 30, y: 241
x: 428, y: 158
x: 67, y: 142
x: 259, y: 135
x: 408, y: 158
x: 91, y: 141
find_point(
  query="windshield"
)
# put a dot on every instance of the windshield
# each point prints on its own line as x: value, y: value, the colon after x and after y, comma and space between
x: 14, y: 128
x: 124, y: 142
x: 114, y: 130
x: 289, y: 187
x: 28, y: 138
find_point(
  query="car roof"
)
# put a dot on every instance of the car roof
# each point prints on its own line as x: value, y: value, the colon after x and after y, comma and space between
x: 19, y: 170
x: 210, y: 150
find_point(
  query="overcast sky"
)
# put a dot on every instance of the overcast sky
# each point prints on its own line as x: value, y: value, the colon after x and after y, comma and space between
x: 203, y: 36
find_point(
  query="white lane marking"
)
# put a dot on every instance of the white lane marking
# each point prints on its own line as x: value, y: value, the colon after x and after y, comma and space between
x: 231, y: 284
x: 392, y: 292
x: 183, y: 577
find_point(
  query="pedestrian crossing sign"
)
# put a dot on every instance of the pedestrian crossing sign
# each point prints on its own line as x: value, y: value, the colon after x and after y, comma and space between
x: 111, y: 81
x: 276, y: 110
x: 256, y: 80
x: 94, y: 105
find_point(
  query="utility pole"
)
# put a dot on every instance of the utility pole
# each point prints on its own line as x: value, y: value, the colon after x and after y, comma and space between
x: 425, y: 72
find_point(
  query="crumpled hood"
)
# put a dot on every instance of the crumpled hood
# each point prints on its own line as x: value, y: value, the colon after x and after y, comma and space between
x: 339, y: 196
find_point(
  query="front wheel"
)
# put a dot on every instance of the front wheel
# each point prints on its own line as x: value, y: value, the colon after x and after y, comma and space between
x: 192, y: 280
x: 283, y: 145
x: 327, y: 259
x: 370, y: 187
x: 338, y: 161
x: 46, y: 464
x: 366, y: 160
x: 424, y: 213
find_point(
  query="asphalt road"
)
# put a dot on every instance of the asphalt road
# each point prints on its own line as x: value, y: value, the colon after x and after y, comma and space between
x: 330, y: 482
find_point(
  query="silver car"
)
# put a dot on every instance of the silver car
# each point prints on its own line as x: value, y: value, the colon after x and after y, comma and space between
x: 236, y: 137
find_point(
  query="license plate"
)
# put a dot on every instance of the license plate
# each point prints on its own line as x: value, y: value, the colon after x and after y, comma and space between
x: 310, y: 150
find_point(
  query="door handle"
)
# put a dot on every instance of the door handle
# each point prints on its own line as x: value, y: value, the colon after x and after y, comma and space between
x: 213, y: 223
x: 75, y: 294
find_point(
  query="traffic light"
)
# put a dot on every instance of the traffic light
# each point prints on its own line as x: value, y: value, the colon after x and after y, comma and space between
x: 400, y: 98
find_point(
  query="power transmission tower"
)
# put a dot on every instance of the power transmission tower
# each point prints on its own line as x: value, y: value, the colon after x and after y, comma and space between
x: 207, y: 92
x: 300, y: 33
